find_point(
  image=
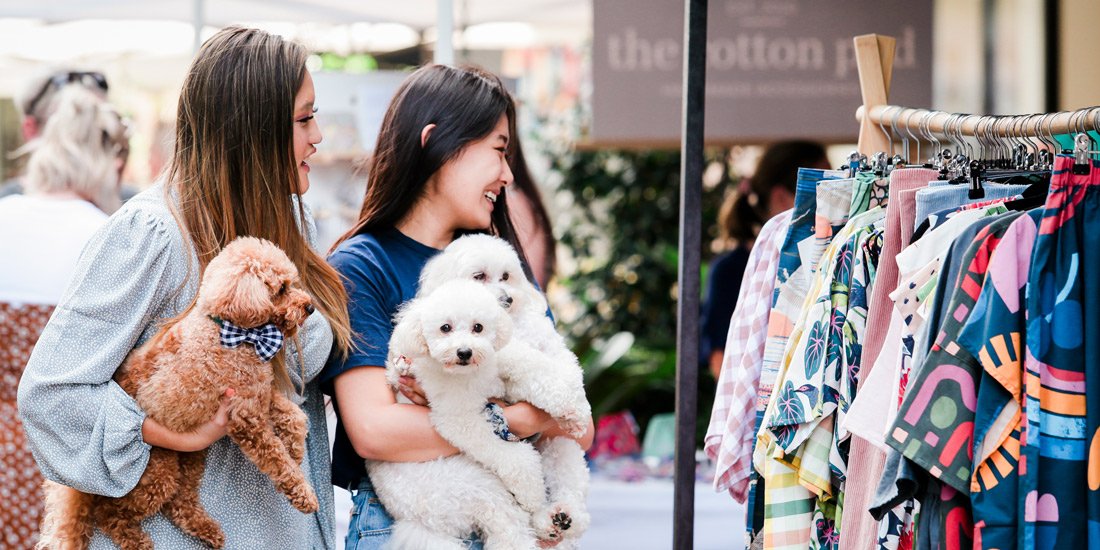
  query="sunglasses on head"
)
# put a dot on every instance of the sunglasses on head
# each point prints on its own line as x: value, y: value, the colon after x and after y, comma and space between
x: 88, y: 79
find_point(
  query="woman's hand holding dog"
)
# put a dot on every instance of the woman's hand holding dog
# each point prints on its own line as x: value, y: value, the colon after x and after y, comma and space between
x: 524, y: 420
x: 156, y: 434
x: 410, y: 388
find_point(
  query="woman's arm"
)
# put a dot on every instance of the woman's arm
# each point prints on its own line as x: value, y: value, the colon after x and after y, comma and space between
x: 584, y: 441
x: 86, y: 432
x: 378, y: 426
x: 524, y: 419
x: 158, y: 435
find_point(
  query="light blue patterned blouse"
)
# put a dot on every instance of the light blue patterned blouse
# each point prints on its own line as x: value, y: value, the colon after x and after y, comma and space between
x: 85, y: 431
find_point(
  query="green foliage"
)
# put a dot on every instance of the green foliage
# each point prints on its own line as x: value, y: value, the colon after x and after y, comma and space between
x: 353, y: 63
x: 622, y: 231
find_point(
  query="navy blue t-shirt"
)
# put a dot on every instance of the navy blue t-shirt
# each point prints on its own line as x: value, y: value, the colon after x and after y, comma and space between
x: 723, y: 286
x: 381, y: 271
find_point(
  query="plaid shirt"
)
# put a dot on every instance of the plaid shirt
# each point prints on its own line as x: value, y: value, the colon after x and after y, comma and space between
x: 730, y: 437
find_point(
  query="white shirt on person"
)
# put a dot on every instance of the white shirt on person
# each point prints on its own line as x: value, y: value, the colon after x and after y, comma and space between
x: 41, y: 238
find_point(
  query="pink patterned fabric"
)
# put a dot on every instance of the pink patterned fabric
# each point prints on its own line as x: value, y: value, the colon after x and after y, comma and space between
x: 616, y: 435
x: 730, y: 437
x: 859, y: 531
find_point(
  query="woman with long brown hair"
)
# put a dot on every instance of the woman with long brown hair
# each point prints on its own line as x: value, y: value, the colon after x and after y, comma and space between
x: 244, y: 133
x: 440, y: 169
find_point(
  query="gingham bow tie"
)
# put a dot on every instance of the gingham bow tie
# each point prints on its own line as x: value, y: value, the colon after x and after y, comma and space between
x: 266, y: 339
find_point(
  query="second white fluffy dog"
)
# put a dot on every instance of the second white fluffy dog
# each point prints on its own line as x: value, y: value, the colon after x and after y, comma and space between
x: 449, y: 341
x: 537, y: 367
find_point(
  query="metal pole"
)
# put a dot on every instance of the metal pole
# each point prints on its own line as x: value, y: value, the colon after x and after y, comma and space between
x: 200, y: 21
x: 444, y: 40
x: 1052, y: 40
x: 687, y: 337
x: 989, y: 55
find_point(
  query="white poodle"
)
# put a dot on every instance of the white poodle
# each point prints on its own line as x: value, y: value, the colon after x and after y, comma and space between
x: 449, y: 341
x: 537, y: 367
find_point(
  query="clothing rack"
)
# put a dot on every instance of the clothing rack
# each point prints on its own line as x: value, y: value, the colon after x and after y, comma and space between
x: 781, y: 350
x: 874, y: 61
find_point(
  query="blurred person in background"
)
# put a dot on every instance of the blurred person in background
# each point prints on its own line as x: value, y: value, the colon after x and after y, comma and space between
x: 769, y: 191
x: 39, y: 100
x: 71, y: 186
x: 531, y: 221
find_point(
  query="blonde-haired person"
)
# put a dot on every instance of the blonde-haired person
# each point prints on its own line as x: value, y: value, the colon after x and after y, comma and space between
x: 39, y: 99
x: 72, y: 183
x: 244, y: 132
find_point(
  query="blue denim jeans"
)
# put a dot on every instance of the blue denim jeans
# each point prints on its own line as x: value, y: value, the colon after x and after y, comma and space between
x: 371, y: 525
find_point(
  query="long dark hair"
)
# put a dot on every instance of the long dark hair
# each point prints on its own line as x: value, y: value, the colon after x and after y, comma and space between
x: 524, y: 184
x: 465, y: 104
x: 746, y: 209
x: 233, y: 167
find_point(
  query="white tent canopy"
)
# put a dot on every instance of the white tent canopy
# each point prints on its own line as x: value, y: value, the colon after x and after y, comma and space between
x: 417, y: 14
x: 548, y: 20
x: 152, y: 40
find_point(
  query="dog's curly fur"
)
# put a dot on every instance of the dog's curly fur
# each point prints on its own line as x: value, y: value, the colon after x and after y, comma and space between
x: 536, y: 367
x: 449, y: 340
x: 178, y: 378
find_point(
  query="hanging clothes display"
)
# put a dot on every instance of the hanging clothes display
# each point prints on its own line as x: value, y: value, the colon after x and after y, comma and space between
x: 915, y: 350
x: 729, y: 438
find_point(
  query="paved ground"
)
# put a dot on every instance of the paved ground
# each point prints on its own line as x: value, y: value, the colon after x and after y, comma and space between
x: 638, y: 516
x: 635, y: 516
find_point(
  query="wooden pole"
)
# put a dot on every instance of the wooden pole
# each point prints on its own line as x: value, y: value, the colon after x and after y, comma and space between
x: 1064, y: 122
x: 875, y: 62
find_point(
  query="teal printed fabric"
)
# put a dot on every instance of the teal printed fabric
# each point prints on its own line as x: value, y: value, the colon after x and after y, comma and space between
x: 1061, y: 450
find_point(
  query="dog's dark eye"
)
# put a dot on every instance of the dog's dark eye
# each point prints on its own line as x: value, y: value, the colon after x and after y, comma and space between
x: 478, y: 328
x: 445, y: 328
x: 504, y: 277
x: 479, y: 276
x: 282, y: 289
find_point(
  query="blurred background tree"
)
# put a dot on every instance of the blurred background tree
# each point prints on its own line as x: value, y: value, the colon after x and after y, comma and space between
x: 621, y: 230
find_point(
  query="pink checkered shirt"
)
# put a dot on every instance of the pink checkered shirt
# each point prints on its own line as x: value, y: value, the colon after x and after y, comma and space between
x: 730, y: 437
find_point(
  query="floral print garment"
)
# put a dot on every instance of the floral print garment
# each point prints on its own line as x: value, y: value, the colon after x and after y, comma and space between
x: 793, y: 277
x: 822, y: 371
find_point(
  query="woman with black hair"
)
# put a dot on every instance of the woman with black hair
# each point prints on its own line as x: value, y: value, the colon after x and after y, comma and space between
x: 440, y: 169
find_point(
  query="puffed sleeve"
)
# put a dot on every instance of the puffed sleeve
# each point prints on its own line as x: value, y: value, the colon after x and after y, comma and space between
x: 83, y: 429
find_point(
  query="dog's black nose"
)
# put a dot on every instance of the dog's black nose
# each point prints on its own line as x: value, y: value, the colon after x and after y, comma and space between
x: 309, y: 309
x: 506, y: 301
x: 464, y: 354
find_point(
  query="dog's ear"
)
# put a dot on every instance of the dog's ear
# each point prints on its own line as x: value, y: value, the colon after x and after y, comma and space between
x: 503, y: 333
x: 432, y: 275
x: 533, y: 298
x: 246, y: 300
x: 408, y: 336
